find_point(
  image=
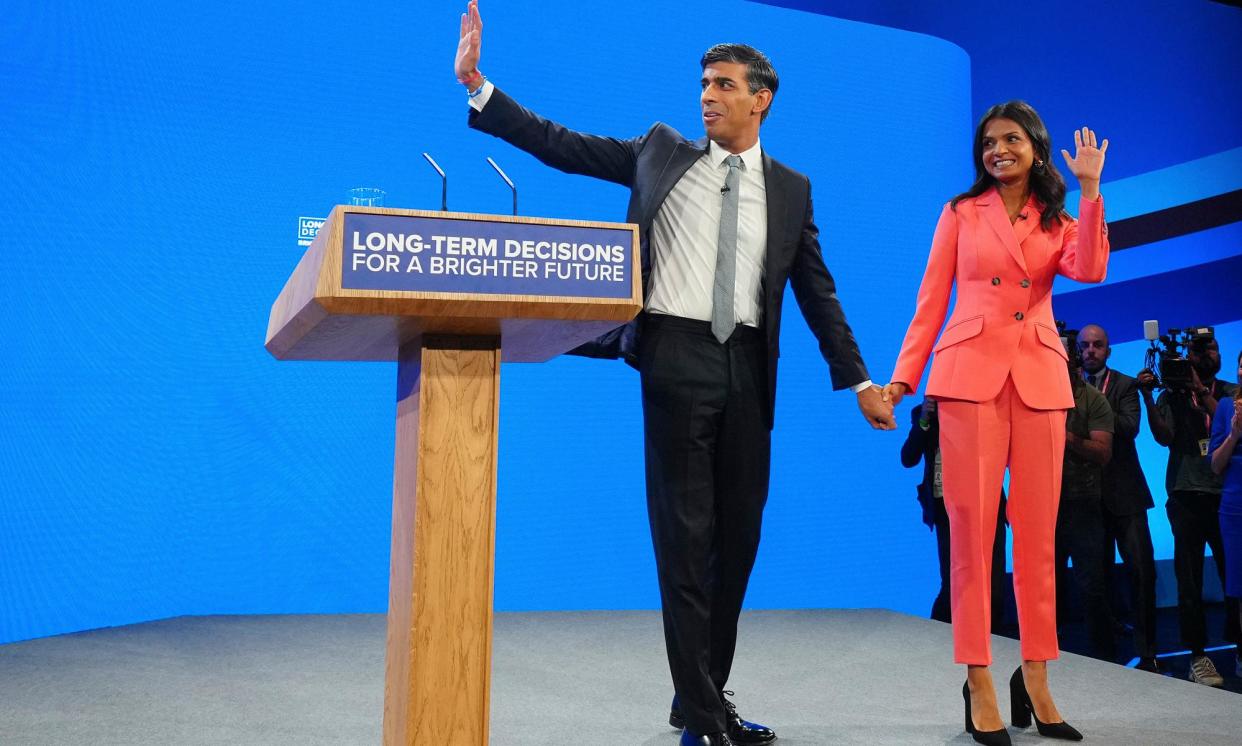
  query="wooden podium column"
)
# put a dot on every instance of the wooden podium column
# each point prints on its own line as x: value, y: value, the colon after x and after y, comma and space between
x: 438, y: 665
x: 367, y: 288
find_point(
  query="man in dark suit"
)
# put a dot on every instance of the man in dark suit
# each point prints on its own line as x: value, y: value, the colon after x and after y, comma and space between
x: 723, y: 227
x: 1126, y: 496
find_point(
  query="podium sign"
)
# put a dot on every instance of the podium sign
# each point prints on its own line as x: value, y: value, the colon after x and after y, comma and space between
x: 453, y: 255
x: 449, y: 296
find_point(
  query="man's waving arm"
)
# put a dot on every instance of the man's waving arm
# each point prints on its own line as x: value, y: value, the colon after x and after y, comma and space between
x: 495, y: 113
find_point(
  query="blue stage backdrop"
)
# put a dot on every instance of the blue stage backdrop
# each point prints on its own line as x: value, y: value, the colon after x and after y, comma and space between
x: 155, y: 461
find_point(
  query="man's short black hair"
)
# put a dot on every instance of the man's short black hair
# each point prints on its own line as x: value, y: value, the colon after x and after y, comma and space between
x: 759, y: 71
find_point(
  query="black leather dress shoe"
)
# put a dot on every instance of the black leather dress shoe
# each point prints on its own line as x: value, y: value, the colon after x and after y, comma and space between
x: 708, y: 739
x: 741, y: 732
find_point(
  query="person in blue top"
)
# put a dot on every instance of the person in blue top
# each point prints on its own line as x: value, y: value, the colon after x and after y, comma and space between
x: 1226, y: 460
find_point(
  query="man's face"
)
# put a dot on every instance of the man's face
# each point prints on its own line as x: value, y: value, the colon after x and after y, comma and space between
x: 1095, y: 350
x: 1205, y: 357
x: 729, y: 108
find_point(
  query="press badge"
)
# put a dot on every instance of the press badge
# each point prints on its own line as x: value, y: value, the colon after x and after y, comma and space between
x: 1203, y: 446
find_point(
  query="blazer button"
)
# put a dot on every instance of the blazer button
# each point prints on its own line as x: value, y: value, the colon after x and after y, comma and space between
x: 1018, y: 316
x: 1026, y: 283
x: 995, y: 280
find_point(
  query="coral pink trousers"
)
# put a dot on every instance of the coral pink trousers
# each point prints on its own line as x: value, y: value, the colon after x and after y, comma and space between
x: 977, y: 441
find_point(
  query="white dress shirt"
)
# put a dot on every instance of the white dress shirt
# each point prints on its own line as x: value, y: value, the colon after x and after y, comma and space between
x: 685, y: 232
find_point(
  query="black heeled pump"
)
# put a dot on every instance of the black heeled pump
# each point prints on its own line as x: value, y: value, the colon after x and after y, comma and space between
x: 1023, y: 712
x: 987, y: 737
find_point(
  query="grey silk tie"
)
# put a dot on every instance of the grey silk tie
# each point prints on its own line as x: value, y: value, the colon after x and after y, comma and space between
x: 723, y: 319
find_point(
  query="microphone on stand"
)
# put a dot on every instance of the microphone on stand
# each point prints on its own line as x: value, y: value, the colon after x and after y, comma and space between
x: 507, y: 181
x: 443, y: 181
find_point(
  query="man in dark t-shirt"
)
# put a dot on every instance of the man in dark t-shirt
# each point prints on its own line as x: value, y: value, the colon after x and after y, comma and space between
x: 1080, y: 519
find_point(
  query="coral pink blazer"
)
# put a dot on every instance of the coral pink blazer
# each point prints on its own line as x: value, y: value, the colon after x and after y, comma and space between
x: 1002, y: 324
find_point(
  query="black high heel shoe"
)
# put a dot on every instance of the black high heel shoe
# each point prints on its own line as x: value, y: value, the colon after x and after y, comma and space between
x: 1023, y: 712
x: 987, y: 737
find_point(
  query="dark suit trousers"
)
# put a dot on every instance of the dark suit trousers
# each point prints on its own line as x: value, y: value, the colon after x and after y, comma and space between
x: 708, y: 457
x: 1080, y: 537
x: 1195, y: 520
x: 1132, y: 536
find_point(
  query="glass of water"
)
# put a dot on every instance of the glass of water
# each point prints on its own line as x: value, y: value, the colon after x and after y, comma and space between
x: 366, y: 196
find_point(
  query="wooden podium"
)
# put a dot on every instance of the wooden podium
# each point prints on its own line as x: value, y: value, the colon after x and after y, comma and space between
x: 449, y: 296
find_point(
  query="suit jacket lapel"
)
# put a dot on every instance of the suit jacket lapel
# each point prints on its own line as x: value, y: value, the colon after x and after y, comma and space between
x: 1023, y: 228
x: 774, y: 186
x: 993, y: 209
x: 678, y: 163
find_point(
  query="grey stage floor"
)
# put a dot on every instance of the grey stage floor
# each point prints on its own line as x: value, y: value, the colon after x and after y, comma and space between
x: 818, y: 677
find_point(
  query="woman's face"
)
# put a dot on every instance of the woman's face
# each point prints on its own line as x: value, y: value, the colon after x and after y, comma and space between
x: 1008, y: 153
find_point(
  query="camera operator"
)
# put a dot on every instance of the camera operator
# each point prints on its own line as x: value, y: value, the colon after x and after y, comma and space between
x: 923, y: 444
x: 1181, y: 420
x: 1080, y: 520
x: 1126, y: 497
x: 1226, y: 460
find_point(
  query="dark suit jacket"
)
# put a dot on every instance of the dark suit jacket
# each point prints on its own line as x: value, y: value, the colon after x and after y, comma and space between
x: 1125, y: 488
x: 650, y: 165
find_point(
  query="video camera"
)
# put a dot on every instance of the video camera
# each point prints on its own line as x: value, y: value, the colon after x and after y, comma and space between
x: 1168, y: 355
x: 1069, y: 339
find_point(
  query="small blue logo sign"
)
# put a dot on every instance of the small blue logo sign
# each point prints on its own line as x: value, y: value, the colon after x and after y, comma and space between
x: 308, y: 228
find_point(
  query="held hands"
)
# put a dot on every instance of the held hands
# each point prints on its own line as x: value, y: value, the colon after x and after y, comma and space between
x: 466, y: 64
x: 1087, y: 163
x: 894, y: 392
x: 1235, y: 425
x: 876, y: 409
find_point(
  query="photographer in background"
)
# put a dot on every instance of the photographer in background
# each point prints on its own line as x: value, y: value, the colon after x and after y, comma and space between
x: 1126, y: 497
x: 923, y: 444
x: 1080, y: 519
x: 1181, y: 420
x: 1226, y: 460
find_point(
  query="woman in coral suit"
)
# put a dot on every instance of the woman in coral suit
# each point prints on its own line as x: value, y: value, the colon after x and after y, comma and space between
x: 1003, y: 389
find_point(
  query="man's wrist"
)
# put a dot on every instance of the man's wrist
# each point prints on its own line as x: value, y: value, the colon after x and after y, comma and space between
x: 472, y: 79
x: 858, y: 388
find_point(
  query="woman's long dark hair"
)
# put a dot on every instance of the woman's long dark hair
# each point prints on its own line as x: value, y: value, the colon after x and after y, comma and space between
x: 1046, y: 182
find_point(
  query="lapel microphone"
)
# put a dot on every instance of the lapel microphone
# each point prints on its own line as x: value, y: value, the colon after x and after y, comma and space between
x: 724, y: 189
x: 1022, y: 216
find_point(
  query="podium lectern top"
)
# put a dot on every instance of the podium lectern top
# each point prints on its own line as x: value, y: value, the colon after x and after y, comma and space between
x: 375, y: 279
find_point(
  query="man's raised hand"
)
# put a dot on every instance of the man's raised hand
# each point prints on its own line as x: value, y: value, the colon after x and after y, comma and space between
x: 466, y: 64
